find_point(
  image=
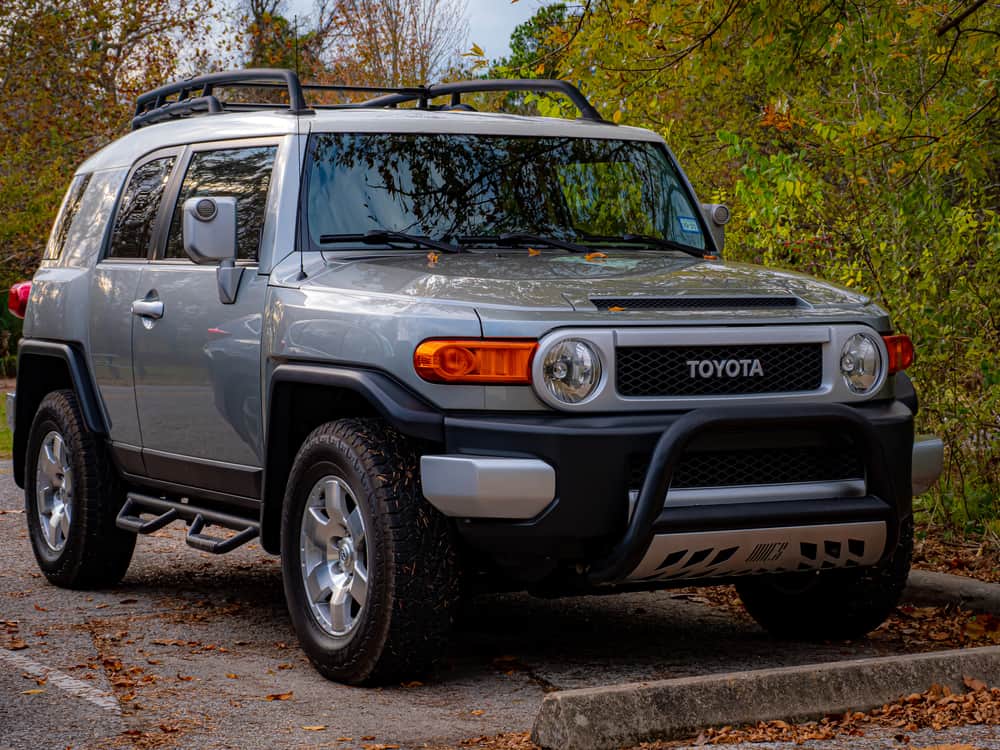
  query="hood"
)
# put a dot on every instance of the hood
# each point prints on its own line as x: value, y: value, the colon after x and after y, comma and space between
x: 550, y: 280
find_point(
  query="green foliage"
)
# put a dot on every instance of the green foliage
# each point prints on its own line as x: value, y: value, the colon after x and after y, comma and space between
x: 6, y: 439
x: 859, y: 142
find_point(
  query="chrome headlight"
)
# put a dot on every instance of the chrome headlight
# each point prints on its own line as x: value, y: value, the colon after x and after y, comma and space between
x: 861, y: 363
x: 571, y: 370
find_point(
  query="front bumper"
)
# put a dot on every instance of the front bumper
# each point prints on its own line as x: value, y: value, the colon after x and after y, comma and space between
x: 591, y: 520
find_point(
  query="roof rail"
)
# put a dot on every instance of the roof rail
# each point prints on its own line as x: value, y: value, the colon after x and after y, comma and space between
x: 196, y: 95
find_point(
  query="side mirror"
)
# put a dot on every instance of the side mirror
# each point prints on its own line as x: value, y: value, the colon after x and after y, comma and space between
x: 209, y: 229
x: 209, y: 232
x: 716, y: 215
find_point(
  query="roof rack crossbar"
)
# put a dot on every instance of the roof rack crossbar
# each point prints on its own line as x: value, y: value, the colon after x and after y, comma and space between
x: 181, y: 108
x: 196, y: 95
x: 456, y: 89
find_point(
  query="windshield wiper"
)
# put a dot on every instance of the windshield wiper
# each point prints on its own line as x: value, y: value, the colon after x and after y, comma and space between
x: 525, y: 239
x: 644, y: 239
x: 385, y: 236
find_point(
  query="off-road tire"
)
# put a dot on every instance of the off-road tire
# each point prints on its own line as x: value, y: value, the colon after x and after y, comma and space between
x: 96, y: 553
x: 832, y: 605
x: 413, y: 571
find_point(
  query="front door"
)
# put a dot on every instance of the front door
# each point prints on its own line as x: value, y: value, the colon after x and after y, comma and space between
x: 196, y: 359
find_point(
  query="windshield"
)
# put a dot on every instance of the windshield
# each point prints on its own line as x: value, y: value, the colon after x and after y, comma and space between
x: 590, y: 191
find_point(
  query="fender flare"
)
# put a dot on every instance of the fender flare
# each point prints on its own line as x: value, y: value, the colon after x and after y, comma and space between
x: 32, y: 389
x: 395, y: 403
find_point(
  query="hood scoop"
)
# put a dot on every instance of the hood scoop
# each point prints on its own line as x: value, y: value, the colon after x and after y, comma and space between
x: 605, y: 304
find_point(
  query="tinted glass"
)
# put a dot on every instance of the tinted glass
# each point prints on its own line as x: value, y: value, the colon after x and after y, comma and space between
x: 241, y: 173
x: 469, y: 185
x: 137, y: 211
x: 64, y: 221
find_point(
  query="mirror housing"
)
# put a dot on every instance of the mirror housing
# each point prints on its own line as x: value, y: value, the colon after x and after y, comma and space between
x: 209, y: 229
x: 716, y: 215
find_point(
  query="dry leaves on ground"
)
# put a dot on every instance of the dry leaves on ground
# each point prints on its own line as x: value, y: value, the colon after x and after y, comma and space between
x: 930, y: 628
x: 937, y: 709
x: 967, y: 558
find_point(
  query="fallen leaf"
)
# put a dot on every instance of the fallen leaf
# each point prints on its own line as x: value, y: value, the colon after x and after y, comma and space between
x: 40, y: 608
x: 595, y: 256
x: 128, y: 601
x: 153, y: 661
x: 413, y: 684
x: 315, y: 728
x: 280, y: 696
x: 477, y: 712
x: 184, y: 678
x: 616, y: 308
x: 368, y: 737
x: 532, y: 252
x: 17, y: 645
x: 168, y: 729
x: 232, y: 676
x: 432, y: 258
x: 973, y: 684
x: 35, y: 691
x: 286, y: 666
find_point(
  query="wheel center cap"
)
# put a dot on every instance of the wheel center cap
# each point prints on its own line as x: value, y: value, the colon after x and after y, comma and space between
x: 345, y: 555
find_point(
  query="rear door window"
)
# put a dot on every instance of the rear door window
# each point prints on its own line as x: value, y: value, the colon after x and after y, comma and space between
x: 140, y: 203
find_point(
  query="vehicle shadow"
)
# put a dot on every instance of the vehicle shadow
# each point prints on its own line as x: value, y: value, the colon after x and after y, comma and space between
x: 556, y: 643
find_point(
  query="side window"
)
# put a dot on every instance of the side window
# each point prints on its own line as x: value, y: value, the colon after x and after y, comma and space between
x: 242, y: 173
x: 70, y: 208
x: 137, y: 211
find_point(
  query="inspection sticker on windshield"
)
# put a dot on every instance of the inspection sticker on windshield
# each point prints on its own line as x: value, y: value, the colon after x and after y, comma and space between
x: 688, y: 224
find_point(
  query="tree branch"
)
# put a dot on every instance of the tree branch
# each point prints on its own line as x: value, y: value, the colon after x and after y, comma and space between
x: 952, y: 23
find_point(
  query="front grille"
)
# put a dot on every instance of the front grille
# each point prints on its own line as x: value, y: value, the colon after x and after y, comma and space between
x: 733, y: 468
x: 692, y: 303
x: 654, y: 371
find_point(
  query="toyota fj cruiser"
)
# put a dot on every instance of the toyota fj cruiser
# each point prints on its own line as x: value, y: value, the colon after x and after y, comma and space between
x: 419, y: 350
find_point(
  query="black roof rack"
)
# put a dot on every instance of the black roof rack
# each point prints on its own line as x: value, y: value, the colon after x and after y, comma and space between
x: 456, y: 89
x: 196, y: 95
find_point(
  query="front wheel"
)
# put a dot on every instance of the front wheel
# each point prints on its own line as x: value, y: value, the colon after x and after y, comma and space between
x: 369, y: 567
x: 831, y: 605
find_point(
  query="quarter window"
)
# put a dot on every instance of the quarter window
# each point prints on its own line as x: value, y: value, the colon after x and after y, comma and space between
x: 71, y: 207
x: 137, y: 211
x: 241, y: 173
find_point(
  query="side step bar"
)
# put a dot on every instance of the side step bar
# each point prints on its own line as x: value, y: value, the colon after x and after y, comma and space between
x: 167, y: 511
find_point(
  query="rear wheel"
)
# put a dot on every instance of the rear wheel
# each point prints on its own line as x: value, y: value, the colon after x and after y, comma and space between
x: 831, y: 605
x: 369, y: 567
x: 72, y: 496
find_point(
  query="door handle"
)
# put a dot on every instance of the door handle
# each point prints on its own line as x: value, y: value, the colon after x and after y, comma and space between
x: 146, y: 308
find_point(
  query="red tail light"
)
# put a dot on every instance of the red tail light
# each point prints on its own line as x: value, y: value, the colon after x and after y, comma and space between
x: 17, y: 298
x: 900, y: 352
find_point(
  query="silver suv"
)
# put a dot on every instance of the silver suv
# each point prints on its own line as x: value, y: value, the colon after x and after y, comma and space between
x: 420, y: 350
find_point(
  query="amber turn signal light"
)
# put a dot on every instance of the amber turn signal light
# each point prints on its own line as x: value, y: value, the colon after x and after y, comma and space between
x: 475, y: 361
x: 900, y: 352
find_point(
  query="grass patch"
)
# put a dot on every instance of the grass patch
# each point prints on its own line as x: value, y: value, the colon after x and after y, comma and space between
x: 6, y: 439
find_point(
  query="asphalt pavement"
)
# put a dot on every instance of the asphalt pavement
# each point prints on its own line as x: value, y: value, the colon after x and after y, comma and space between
x: 194, y: 650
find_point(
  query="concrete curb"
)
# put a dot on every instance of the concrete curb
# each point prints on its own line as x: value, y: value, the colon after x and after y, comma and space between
x: 929, y: 589
x: 624, y: 715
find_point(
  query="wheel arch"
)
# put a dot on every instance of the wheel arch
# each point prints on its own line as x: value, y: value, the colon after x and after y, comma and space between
x: 43, y: 367
x: 304, y: 396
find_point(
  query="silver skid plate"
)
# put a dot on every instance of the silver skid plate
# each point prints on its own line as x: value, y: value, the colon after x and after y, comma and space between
x: 708, y: 554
